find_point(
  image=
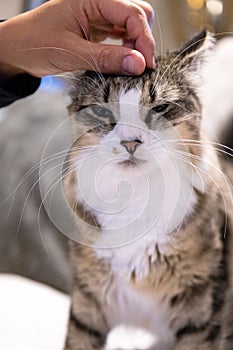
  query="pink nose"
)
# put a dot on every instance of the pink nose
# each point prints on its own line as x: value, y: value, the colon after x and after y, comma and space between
x: 131, y: 146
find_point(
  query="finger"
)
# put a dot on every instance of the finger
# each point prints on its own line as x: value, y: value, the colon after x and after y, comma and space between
x: 107, y: 59
x: 117, y: 33
x: 109, y: 31
x: 148, y: 9
x: 129, y: 15
x: 129, y: 43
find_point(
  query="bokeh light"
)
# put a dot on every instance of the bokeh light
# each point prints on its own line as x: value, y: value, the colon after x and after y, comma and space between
x: 214, y: 7
x: 196, y: 4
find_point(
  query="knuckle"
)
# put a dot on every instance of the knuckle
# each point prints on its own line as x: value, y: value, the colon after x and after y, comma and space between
x: 143, y: 10
x: 104, y: 60
x: 149, y: 11
x: 136, y: 10
x: 150, y: 41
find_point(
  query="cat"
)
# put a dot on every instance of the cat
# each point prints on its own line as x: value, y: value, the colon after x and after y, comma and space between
x: 153, y: 209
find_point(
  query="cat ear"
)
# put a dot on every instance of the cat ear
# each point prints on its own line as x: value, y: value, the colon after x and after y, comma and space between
x: 194, y: 57
x: 198, y: 49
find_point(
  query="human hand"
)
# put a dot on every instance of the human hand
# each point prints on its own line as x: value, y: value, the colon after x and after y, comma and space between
x: 62, y: 36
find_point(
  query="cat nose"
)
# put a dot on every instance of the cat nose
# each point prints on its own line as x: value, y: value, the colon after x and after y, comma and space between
x: 131, y: 145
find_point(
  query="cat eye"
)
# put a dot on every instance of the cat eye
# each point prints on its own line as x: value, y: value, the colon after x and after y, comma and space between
x: 160, y: 108
x: 156, y: 110
x: 102, y: 112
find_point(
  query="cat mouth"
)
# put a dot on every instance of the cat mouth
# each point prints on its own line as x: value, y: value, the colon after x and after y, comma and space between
x: 132, y: 161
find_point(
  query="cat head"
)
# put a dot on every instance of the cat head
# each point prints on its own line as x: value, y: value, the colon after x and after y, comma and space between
x: 134, y: 127
x: 135, y: 109
x: 170, y: 92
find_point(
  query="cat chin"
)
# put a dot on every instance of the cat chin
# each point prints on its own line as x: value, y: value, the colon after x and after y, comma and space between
x: 132, y: 162
x: 135, y: 201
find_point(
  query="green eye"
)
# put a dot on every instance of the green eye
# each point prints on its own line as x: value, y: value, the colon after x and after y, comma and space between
x: 156, y: 110
x: 160, y: 108
x: 102, y: 112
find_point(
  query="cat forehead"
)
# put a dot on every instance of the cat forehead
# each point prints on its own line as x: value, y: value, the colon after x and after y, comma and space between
x: 129, y: 102
x: 131, y: 97
x: 163, y: 82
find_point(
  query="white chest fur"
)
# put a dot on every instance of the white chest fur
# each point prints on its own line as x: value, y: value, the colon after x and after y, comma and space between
x: 137, y: 208
x: 145, y: 319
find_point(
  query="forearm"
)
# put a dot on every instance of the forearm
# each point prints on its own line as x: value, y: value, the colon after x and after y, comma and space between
x: 55, y: 38
x: 9, y: 35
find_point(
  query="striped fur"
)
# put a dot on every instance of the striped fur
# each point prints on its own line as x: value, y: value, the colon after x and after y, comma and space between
x: 175, y: 284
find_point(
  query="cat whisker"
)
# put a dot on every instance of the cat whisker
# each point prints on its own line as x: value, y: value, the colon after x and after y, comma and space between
x: 158, y: 71
x: 30, y: 172
x: 177, y: 104
x: 199, y: 158
x: 75, y: 78
x: 32, y: 188
x: 204, y: 143
x: 62, y: 50
x: 176, y: 59
x: 97, y: 68
x: 226, y: 180
x: 50, y: 191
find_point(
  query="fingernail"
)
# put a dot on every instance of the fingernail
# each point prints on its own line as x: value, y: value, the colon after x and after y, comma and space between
x: 128, y: 65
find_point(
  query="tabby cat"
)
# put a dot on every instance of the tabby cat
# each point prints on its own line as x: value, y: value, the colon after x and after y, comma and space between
x: 153, y: 209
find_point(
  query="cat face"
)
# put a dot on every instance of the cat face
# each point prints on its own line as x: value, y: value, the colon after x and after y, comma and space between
x: 131, y: 131
x: 136, y: 110
x: 131, y: 117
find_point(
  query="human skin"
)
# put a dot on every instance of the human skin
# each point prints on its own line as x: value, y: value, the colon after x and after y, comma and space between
x: 64, y: 35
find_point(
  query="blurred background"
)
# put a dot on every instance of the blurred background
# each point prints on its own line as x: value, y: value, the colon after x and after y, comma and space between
x: 175, y: 19
x: 30, y: 245
x: 39, y: 251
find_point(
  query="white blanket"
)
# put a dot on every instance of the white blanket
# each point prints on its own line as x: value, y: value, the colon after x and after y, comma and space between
x: 32, y: 315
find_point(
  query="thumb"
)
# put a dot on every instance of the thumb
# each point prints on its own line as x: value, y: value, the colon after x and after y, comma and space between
x: 114, y: 59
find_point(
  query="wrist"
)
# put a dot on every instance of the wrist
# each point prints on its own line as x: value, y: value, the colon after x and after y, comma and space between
x: 7, y: 70
x: 7, y: 52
